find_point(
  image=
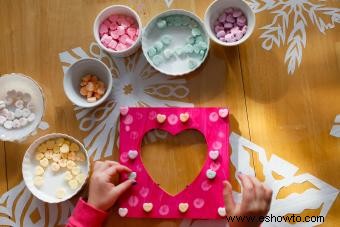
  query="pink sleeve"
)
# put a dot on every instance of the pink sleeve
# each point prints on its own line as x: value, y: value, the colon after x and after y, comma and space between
x: 85, y: 215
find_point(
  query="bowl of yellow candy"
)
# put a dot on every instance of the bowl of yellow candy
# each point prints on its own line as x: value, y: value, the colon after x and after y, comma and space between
x: 55, y: 167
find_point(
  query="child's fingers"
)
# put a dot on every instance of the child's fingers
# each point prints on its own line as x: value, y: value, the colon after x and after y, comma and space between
x: 111, y: 163
x: 122, y: 187
x: 247, y: 189
x: 258, y: 188
x: 113, y: 170
x: 228, y: 197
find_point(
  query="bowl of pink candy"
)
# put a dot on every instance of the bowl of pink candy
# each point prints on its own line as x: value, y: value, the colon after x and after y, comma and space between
x: 117, y: 30
x: 229, y: 23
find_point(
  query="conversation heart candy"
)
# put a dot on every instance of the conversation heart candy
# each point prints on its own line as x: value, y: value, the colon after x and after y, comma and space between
x: 183, y: 207
x: 132, y: 154
x: 184, y: 117
x: 222, y: 211
x: 214, y: 154
x: 211, y: 174
x: 161, y: 118
x: 147, y: 207
x: 123, y: 212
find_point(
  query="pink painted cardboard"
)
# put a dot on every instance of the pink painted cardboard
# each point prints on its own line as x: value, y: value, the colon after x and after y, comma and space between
x: 203, y: 195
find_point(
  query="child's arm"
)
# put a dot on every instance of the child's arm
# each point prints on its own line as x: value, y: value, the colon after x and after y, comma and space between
x: 256, y: 199
x: 102, y: 195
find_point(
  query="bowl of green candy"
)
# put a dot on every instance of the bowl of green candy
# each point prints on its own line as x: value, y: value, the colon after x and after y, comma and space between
x: 175, y: 42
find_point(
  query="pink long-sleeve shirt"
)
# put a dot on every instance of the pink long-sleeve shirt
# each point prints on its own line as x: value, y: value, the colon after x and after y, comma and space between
x: 85, y: 215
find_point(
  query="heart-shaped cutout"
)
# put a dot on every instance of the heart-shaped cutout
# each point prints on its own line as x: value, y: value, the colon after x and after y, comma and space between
x: 173, y: 161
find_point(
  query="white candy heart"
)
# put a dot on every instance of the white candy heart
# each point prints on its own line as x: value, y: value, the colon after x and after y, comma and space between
x: 223, y: 113
x: 123, y: 212
x: 211, y: 174
x: 132, y: 154
x: 124, y: 110
x: 183, y: 207
x: 214, y: 154
x: 221, y: 211
x: 161, y: 118
x: 132, y: 176
x: 147, y: 207
x: 184, y: 117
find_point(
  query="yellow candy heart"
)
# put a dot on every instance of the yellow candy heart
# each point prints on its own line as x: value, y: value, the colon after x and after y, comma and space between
x: 183, y: 207
x: 147, y: 207
x: 161, y: 118
x: 184, y: 117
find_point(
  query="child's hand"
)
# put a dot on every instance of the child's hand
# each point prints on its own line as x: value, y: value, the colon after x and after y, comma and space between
x: 103, y: 193
x: 256, y: 199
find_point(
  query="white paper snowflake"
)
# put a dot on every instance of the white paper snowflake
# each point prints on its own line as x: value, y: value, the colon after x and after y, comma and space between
x: 322, y: 195
x: 18, y: 207
x: 135, y: 83
x: 290, y: 20
x: 335, y: 131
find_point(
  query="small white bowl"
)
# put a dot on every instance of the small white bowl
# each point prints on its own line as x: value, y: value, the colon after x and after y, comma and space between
x: 51, y: 180
x: 178, y: 67
x: 23, y: 83
x: 77, y: 71
x: 214, y: 11
x: 118, y: 10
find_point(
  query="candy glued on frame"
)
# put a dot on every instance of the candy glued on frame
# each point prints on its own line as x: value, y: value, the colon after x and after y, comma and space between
x: 203, y: 196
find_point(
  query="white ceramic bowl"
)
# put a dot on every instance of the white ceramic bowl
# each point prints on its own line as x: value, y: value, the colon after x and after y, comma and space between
x: 179, y: 35
x: 77, y: 71
x: 20, y: 82
x: 52, y: 180
x: 119, y: 10
x: 214, y: 11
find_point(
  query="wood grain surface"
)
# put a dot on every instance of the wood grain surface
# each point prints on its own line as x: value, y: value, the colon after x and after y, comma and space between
x: 288, y: 115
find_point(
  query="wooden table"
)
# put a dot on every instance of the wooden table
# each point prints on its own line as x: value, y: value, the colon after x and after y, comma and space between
x: 289, y: 115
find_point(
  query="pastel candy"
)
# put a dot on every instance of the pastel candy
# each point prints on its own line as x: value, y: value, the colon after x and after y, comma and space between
x: 123, y: 212
x: 211, y: 174
x: 121, y: 30
x: 196, y: 32
x: 106, y: 39
x: 220, y: 34
x: 131, y: 32
x: 112, y: 44
x: 2, y: 104
x: 222, y: 18
x: 120, y: 47
x: 113, y: 26
x: 191, y: 40
x: 192, y: 64
x: 189, y: 49
x: 123, y: 39
x: 2, y: 120
x: 168, y: 53
x: 114, y: 34
x: 214, y: 154
x: 103, y: 29
x: 219, y: 28
x: 157, y: 60
x: 237, y: 13
x: 228, y: 25
x: 161, y: 24
x: 230, y: 19
x: 132, y: 154
x: 166, y: 39
x: 159, y: 46
x: 152, y: 52
x: 229, y: 10
x: 132, y: 176
x: 229, y: 37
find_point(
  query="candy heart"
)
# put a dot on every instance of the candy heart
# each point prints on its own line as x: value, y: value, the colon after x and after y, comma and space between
x: 132, y: 154
x: 132, y: 176
x: 221, y: 211
x: 124, y: 110
x: 122, y: 212
x: 184, y: 117
x: 223, y: 113
x: 161, y: 118
x: 214, y: 154
x: 183, y: 207
x: 211, y: 174
x: 147, y: 207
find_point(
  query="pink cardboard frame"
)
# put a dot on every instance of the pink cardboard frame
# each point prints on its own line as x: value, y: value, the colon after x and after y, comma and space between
x: 202, y: 199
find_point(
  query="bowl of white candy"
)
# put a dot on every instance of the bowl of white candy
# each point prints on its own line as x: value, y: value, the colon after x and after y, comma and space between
x: 21, y: 106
